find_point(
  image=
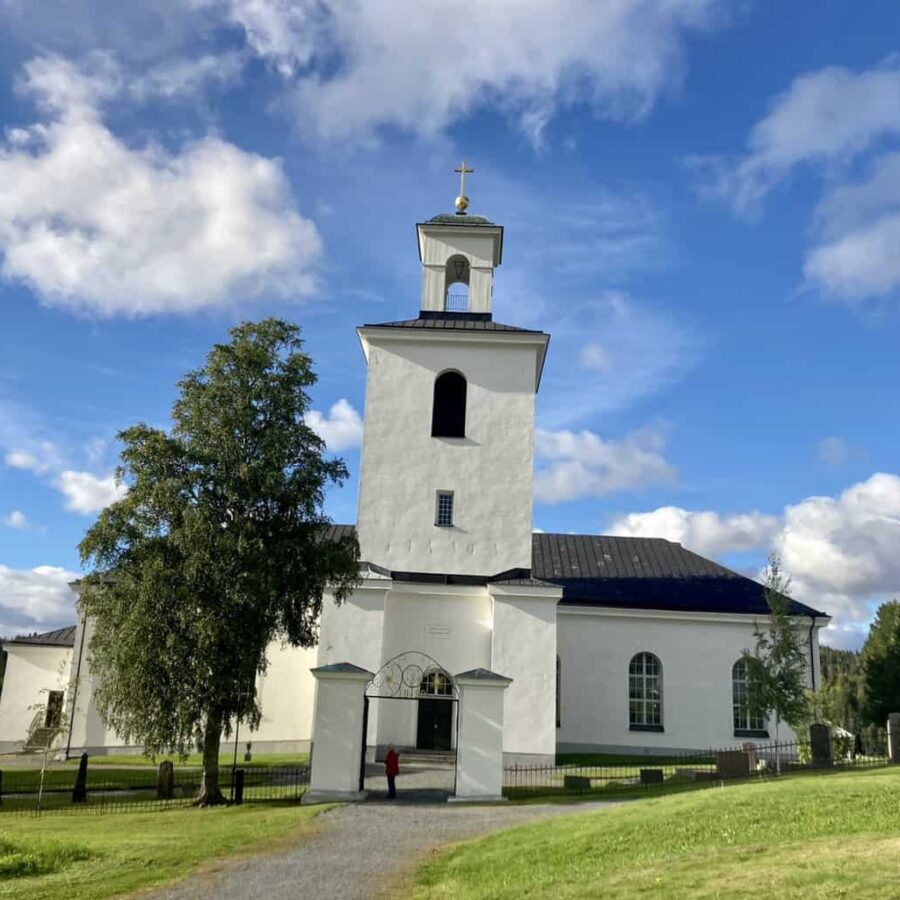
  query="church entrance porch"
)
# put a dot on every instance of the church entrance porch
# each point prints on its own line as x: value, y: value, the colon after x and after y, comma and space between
x: 422, y: 729
x: 346, y: 694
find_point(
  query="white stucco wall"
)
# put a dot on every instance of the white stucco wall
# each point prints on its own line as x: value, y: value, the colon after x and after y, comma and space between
x: 286, y: 692
x: 490, y: 471
x: 451, y: 624
x: 479, y: 765
x: 524, y: 649
x: 338, y: 728
x: 31, y: 672
x: 88, y: 731
x: 697, y: 652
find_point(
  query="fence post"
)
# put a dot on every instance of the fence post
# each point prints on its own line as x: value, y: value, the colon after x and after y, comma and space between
x: 165, y: 780
x: 1, y: 787
x: 820, y: 746
x: 79, y: 792
x: 239, y: 787
x: 893, y: 736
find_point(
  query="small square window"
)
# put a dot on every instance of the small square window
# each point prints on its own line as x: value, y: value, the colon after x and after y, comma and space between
x: 444, y: 512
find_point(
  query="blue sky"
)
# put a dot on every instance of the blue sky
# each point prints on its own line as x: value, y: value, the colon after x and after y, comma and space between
x: 701, y: 201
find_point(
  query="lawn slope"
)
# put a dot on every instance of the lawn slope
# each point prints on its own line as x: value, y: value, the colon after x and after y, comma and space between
x: 66, y: 857
x: 835, y: 835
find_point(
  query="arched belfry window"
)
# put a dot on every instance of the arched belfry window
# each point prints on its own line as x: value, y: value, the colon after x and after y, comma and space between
x: 448, y: 416
x: 456, y: 284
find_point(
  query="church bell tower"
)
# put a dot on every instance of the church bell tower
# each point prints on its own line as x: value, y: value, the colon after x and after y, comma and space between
x: 447, y: 460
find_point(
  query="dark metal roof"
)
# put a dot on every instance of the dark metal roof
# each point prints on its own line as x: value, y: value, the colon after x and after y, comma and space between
x: 61, y: 637
x: 459, y: 219
x: 454, y: 322
x: 645, y: 573
x: 484, y: 675
x: 627, y: 573
x: 339, y: 532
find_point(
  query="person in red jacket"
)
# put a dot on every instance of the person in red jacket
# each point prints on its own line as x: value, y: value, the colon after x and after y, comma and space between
x: 392, y: 770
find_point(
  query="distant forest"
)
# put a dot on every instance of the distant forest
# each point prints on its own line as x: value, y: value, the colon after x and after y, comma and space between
x: 843, y: 697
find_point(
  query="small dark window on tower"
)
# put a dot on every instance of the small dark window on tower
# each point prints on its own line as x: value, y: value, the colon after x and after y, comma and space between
x: 443, y: 515
x: 448, y: 417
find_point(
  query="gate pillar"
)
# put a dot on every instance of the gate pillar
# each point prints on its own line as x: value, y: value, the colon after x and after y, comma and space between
x: 337, y: 733
x: 479, y: 749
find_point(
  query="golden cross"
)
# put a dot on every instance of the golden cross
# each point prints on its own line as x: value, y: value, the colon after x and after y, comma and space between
x: 463, y: 171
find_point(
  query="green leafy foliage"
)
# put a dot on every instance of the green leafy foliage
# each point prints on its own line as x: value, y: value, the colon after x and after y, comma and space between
x: 217, y: 549
x: 776, y: 669
x: 881, y: 665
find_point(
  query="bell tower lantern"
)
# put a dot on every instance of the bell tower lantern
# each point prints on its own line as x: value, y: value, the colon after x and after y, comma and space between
x: 459, y: 253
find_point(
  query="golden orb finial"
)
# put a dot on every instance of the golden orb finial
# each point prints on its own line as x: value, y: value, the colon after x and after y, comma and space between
x: 462, y: 201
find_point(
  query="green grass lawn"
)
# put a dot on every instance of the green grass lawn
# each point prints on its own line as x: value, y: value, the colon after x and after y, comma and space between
x: 834, y: 835
x: 71, y: 857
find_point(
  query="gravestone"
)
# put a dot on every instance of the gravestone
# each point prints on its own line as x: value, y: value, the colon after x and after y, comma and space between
x: 750, y: 749
x: 893, y: 731
x: 165, y: 781
x: 820, y: 746
x: 733, y: 764
x: 651, y: 776
x: 576, y: 783
x: 79, y: 793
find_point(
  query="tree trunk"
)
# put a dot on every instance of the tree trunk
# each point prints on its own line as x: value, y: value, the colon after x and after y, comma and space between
x: 210, y: 794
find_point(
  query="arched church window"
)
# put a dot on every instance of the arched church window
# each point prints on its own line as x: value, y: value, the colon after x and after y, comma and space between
x: 436, y: 684
x: 448, y: 416
x: 645, y: 693
x: 456, y: 284
x: 746, y: 722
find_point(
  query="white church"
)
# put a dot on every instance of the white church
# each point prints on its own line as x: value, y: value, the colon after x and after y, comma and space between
x: 595, y: 643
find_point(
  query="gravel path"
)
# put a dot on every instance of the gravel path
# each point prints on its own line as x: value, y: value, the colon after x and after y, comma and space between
x: 359, y: 850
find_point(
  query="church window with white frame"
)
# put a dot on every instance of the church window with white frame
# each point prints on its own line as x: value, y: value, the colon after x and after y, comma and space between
x: 444, y: 509
x: 746, y: 722
x: 645, y: 693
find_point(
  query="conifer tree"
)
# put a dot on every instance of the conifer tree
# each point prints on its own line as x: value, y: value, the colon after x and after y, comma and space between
x: 881, y: 664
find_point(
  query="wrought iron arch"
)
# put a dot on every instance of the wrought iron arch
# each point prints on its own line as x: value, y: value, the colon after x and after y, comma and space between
x: 402, y: 678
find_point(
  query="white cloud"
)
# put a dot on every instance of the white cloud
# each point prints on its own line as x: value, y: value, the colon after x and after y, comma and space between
x: 87, y: 493
x: 594, y: 357
x: 840, y: 551
x: 824, y: 116
x: 582, y: 464
x: 94, y: 224
x: 16, y: 519
x: 40, y: 460
x: 830, y: 119
x: 35, y: 599
x: 186, y: 77
x: 419, y: 66
x: 340, y: 429
x: 834, y: 451
x: 858, y: 225
x: 704, y: 532
x: 640, y: 351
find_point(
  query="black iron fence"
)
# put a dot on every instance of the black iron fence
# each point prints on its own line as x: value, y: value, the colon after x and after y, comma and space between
x: 610, y: 775
x: 139, y: 788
